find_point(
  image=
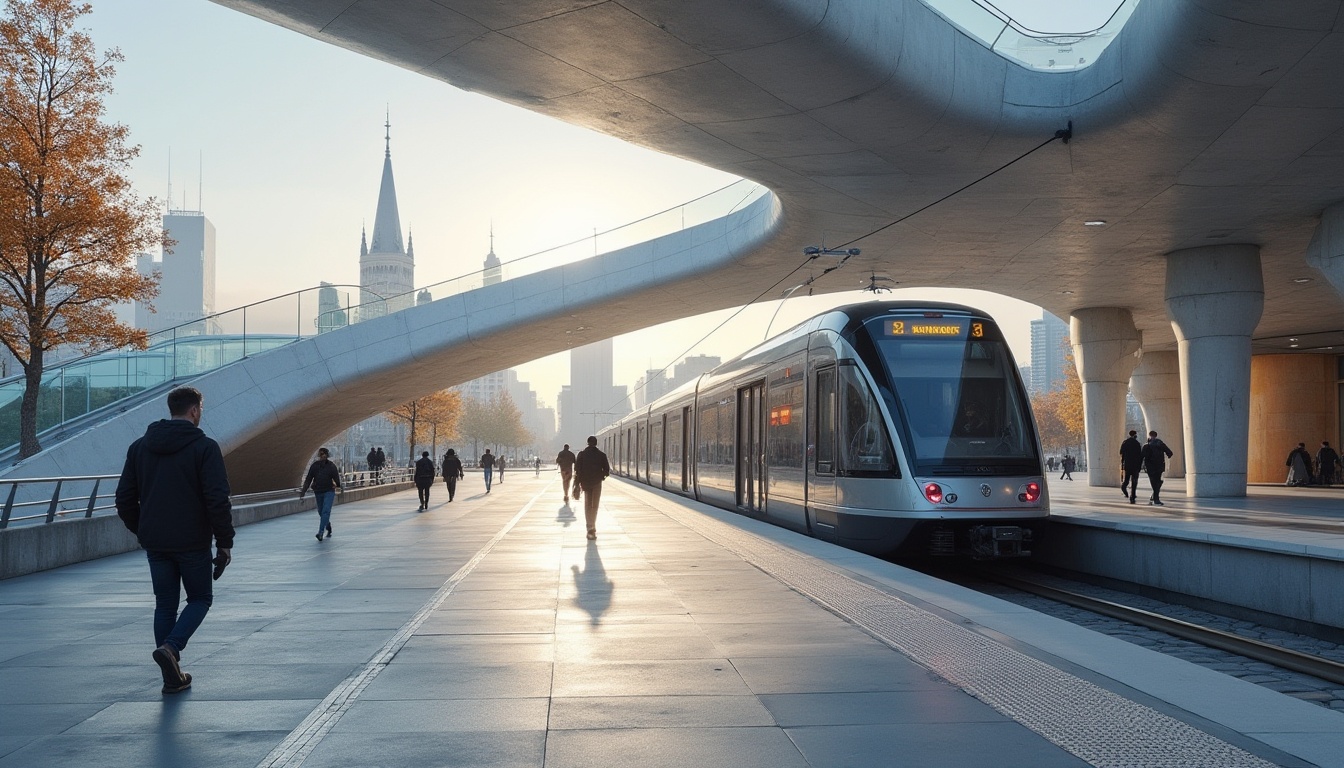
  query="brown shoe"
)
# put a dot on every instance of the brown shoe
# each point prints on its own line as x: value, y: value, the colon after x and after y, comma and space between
x: 174, y: 680
x: 179, y: 686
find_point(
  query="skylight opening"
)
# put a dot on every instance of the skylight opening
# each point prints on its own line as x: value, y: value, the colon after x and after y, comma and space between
x: 1043, y: 35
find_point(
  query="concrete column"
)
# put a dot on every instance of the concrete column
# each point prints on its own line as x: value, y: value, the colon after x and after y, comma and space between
x: 1156, y: 384
x: 1326, y: 251
x: 1215, y: 296
x: 1104, y: 345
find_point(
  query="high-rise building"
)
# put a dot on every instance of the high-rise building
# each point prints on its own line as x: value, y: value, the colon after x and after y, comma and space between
x: 386, y: 268
x: 590, y: 402
x: 186, y: 275
x: 1049, y: 347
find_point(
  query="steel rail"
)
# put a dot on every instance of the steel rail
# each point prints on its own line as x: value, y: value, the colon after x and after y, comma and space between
x: 1286, y: 658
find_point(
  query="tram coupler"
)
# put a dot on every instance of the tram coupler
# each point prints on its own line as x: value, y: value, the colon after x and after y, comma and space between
x: 989, y: 542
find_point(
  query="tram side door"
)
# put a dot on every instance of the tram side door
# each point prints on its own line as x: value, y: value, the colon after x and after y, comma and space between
x: 751, y: 447
x: 821, y: 439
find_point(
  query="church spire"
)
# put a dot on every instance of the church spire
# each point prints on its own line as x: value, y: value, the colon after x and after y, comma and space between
x: 410, y: 245
x: 363, y: 242
x: 387, y: 222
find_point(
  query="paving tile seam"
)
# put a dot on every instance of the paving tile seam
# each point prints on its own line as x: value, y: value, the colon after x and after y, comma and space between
x: 1088, y: 721
x: 300, y: 743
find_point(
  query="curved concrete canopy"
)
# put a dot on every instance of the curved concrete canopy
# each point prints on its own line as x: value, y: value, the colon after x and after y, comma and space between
x: 1205, y: 122
x: 270, y: 412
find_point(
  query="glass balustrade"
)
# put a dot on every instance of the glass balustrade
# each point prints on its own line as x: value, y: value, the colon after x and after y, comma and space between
x: 1060, y: 37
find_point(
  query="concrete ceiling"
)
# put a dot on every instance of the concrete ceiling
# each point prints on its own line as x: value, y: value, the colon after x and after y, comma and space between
x: 1206, y: 122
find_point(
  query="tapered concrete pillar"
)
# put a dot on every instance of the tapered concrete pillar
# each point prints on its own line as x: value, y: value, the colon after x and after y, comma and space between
x: 1156, y: 384
x: 1215, y: 296
x: 1326, y: 251
x: 1105, y: 343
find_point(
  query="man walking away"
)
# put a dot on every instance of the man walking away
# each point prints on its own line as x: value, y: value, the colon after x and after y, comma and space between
x: 565, y: 460
x: 488, y: 467
x: 1155, y: 455
x: 1326, y: 461
x: 452, y: 472
x: 499, y: 464
x: 1131, y: 461
x: 1066, y: 464
x: 382, y: 464
x: 591, y: 468
x: 424, y: 478
x: 174, y: 496
x: 1299, y: 466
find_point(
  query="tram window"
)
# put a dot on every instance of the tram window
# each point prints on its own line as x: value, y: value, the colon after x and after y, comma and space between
x: 864, y: 436
x: 825, y: 408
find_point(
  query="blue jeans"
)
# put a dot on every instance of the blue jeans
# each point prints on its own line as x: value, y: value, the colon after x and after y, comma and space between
x: 170, y: 572
x: 489, y: 475
x: 324, y: 502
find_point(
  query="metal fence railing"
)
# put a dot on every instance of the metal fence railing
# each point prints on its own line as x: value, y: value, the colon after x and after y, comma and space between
x: 84, y: 496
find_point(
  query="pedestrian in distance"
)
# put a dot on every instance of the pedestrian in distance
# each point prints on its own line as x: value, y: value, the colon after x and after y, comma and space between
x: 565, y: 461
x: 174, y: 496
x: 1131, y: 461
x: 1327, y: 459
x: 382, y: 465
x: 590, y: 469
x: 488, y: 468
x: 536, y: 462
x: 1066, y: 464
x: 371, y: 461
x: 324, y: 477
x: 452, y: 472
x: 499, y: 464
x: 1299, y: 466
x: 424, y: 478
x: 1155, y: 455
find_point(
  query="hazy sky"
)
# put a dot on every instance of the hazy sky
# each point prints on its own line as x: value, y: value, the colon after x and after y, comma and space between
x: 279, y: 138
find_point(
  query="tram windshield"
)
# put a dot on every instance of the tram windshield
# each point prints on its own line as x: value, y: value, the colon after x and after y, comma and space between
x: 958, y: 396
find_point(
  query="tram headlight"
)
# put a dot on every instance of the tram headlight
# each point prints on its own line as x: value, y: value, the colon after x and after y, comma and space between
x: 1029, y: 492
x: 933, y: 492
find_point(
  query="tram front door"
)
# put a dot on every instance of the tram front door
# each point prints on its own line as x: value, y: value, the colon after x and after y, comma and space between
x: 751, y: 447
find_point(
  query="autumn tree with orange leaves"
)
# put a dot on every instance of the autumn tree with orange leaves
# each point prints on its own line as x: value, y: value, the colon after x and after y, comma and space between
x: 70, y: 222
x: 437, y: 413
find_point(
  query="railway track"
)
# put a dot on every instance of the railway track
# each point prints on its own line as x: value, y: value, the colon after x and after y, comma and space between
x: 1285, y: 658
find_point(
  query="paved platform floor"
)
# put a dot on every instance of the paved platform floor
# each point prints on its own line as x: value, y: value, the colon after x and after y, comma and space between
x: 489, y: 632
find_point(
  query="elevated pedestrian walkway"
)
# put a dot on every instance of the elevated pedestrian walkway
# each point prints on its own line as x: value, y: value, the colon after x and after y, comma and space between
x: 488, y: 632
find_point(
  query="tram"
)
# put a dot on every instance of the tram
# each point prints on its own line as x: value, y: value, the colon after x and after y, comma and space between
x: 898, y: 429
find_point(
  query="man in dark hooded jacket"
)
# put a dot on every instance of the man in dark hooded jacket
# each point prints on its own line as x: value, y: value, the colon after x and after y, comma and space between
x: 174, y: 496
x: 1131, y: 461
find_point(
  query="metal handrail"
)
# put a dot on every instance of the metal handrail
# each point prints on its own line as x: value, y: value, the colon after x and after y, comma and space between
x: 60, y: 506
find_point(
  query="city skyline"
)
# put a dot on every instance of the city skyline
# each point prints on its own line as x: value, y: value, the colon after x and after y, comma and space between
x: 286, y: 179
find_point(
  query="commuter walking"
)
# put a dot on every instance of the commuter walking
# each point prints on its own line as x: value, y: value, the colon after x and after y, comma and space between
x: 537, y: 463
x: 1299, y: 466
x: 499, y: 464
x: 452, y: 472
x: 1131, y: 461
x: 1155, y: 455
x: 371, y: 461
x: 565, y: 460
x: 1326, y: 461
x: 174, y: 496
x: 424, y: 478
x: 324, y: 477
x: 1066, y: 464
x: 488, y: 468
x: 382, y: 465
x: 590, y: 469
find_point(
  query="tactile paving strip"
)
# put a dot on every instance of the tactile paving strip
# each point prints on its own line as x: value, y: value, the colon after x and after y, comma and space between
x: 1098, y: 726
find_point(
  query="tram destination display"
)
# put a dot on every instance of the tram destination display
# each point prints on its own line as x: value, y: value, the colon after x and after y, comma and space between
x: 933, y: 328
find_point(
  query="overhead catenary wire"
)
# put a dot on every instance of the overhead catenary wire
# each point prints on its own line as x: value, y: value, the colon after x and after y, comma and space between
x: 1063, y: 134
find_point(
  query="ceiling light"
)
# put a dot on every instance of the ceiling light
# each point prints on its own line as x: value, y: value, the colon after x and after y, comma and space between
x: 1301, y: 279
x: 1094, y: 223
x: 1294, y: 346
x: 1292, y: 339
x: 1068, y: 293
